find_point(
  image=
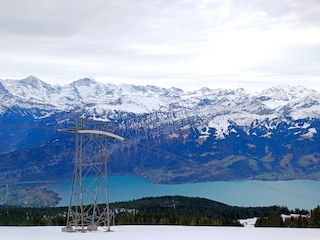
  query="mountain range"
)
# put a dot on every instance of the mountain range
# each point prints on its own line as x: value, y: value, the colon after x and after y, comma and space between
x: 171, y: 136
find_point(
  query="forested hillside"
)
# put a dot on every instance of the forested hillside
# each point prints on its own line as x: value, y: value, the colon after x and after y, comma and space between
x: 173, y: 210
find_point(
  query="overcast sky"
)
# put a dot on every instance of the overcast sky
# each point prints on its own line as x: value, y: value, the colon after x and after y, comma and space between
x: 188, y: 44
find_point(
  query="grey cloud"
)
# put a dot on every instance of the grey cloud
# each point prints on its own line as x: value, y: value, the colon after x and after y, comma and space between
x: 162, y: 20
x: 293, y: 13
x: 64, y: 35
x: 293, y: 60
x: 36, y: 18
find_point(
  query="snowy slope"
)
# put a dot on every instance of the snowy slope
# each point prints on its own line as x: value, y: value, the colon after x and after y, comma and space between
x: 160, y: 233
x: 144, y: 99
x: 81, y: 93
x: 217, y: 108
x: 214, y: 108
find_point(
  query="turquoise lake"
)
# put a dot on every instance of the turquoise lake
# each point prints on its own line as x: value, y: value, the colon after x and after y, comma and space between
x: 303, y: 194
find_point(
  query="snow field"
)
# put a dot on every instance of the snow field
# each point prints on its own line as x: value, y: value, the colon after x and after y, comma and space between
x: 160, y: 233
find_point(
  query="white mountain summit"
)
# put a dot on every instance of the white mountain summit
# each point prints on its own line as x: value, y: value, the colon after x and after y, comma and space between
x: 216, y: 107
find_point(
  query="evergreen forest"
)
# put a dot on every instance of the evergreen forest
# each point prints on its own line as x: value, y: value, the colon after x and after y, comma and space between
x: 168, y: 210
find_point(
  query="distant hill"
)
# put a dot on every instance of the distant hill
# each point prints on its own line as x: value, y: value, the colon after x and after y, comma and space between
x: 187, y: 211
x: 176, y: 210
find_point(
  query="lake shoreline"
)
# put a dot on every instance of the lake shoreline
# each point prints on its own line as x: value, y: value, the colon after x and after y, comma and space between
x: 293, y: 194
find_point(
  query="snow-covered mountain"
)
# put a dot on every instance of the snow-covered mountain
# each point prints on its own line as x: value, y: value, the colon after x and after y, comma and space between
x: 85, y: 93
x: 218, y: 105
x: 172, y: 135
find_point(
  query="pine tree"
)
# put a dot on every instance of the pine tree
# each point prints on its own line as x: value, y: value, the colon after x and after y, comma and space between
x: 315, y: 217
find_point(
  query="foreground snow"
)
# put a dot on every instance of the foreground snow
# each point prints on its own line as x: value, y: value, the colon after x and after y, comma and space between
x: 160, y: 232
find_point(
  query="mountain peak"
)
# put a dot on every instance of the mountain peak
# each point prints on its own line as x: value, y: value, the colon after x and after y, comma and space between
x: 288, y: 89
x: 32, y: 81
x: 83, y: 82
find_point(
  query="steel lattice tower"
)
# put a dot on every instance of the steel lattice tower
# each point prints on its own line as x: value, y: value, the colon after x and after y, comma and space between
x: 89, y: 199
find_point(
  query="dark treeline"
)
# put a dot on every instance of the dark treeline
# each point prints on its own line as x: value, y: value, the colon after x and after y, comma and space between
x: 187, y: 211
x: 274, y: 220
x: 32, y: 216
x: 173, y: 210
